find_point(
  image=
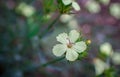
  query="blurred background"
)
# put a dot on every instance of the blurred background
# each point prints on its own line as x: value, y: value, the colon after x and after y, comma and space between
x: 28, y: 30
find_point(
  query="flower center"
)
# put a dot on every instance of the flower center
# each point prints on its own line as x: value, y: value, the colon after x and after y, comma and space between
x: 69, y: 43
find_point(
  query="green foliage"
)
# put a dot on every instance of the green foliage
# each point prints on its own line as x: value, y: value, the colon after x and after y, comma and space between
x: 33, y: 28
x: 49, y: 6
x: 108, y: 73
x: 63, y: 8
x: 83, y: 55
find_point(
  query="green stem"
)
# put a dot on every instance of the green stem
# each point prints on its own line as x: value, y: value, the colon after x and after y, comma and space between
x: 53, y: 61
x: 25, y: 69
x: 50, y: 26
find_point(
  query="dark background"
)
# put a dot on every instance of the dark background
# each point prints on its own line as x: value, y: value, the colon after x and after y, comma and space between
x: 26, y: 43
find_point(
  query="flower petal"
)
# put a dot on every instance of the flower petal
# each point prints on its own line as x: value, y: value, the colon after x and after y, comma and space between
x: 62, y: 38
x: 80, y: 47
x: 66, y: 2
x: 76, y: 6
x: 59, y: 49
x: 73, y: 35
x: 71, y: 55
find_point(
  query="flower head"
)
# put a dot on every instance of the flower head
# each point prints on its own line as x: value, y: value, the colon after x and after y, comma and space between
x: 75, y: 5
x: 69, y: 46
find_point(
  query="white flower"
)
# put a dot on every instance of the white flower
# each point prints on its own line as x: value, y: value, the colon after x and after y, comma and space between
x: 75, y: 5
x: 69, y: 46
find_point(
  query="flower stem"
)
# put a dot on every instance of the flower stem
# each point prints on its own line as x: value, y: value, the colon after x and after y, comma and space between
x: 33, y: 68
x: 53, y: 61
x: 50, y: 26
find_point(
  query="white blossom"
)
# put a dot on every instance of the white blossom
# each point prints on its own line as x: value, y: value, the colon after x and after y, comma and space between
x: 69, y: 46
x: 75, y: 5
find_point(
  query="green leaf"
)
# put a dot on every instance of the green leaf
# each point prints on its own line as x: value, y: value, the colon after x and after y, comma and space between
x: 33, y: 31
x: 33, y: 28
x: 82, y: 55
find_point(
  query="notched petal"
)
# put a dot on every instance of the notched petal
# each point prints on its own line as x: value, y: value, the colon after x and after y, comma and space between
x: 71, y: 55
x: 80, y: 46
x: 76, y: 6
x: 59, y: 49
x: 74, y: 35
x: 62, y: 38
x: 67, y: 2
